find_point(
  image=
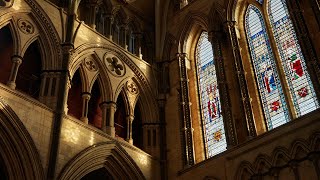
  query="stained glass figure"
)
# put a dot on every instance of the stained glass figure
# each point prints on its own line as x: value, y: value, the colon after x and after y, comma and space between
x: 214, y: 133
x: 270, y: 90
x: 301, y: 88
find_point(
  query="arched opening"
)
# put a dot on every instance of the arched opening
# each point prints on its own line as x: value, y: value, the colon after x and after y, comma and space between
x: 100, y: 19
x: 120, y: 122
x: 82, y: 12
x: 6, y: 50
x: 94, y: 111
x: 137, y: 132
x: 3, y: 170
x: 130, y: 39
x: 101, y: 173
x: 28, y: 78
x: 116, y: 30
x: 74, y: 96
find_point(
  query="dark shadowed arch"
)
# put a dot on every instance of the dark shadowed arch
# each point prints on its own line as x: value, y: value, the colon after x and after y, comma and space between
x: 18, y: 151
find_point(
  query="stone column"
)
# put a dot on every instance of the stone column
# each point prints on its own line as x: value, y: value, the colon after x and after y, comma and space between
x: 85, y: 103
x: 130, y: 119
x: 215, y: 37
x: 123, y: 36
x: 108, y: 110
x: 137, y: 45
x: 92, y: 14
x: 104, y: 107
x: 16, y: 62
x: 186, y: 123
x: 108, y: 22
x: 242, y: 84
x: 305, y: 42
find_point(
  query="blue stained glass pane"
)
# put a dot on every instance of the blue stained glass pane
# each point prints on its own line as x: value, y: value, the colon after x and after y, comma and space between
x: 260, y: 1
x: 270, y: 90
x: 215, y: 139
x: 298, y: 79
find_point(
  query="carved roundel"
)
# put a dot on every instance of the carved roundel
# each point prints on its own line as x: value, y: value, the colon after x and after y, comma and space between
x: 90, y: 64
x: 114, y: 65
x: 132, y: 87
x: 6, y: 3
x: 25, y: 26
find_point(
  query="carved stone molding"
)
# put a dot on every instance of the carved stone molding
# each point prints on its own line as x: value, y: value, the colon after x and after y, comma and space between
x: 281, y: 157
x: 25, y: 26
x: 114, y: 65
x: 90, y: 64
x: 132, y: 88
x: 6, y: 3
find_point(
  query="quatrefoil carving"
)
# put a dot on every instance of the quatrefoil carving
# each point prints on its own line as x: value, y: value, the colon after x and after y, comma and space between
x: 25, y: 26
x: 132, y: 87
x: 90, y: 64
x: 115, y: 66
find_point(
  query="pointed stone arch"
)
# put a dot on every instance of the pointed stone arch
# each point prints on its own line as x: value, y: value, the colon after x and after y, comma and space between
x: 280, y: 157
x: 244, y: 171
x: 18, y: 150
x: 192, y: 20
x: 107, y: 155
x: 141, y: 79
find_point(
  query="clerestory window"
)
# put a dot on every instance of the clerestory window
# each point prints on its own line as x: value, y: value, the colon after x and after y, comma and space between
x: 283, y: 82
x: 212, y: 120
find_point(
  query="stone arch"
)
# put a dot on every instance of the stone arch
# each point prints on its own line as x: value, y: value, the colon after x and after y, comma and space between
x: 43, y: 32
x: 108, y: 155
x: 6, y: 52
x: 74, y: 94
x: 14, y: 34
x: 29, y: 75
x: 17, y: 147
x: 245, y: 171
x: 191, y: 21
x: 48, y: 35
x: 141, y: 79
x: 262, y: 164
x: 280, y: 157
x: 121, y: 13
x: 299, y: 150
x: 75, y: 63
x: 315, y: 142
x: 96, y: 98
x: 216, y: 17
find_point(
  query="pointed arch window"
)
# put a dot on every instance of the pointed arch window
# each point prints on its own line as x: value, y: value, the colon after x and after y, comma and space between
x: 298, y: 79
x: 267, y: 66
x: 212, y: 120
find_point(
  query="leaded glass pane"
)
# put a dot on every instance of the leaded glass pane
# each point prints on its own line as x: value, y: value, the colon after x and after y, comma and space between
x: 298, y: 79
x: 260, y: 1
x: 270, y: 90
x: 215, y: 139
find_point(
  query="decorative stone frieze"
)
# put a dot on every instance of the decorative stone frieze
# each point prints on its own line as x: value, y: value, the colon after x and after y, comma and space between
x: 25, y: 26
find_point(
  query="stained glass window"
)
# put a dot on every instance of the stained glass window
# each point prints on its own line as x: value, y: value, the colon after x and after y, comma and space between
x: 270, y: 90
x: 297, y: 78
x: 214, y: 133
